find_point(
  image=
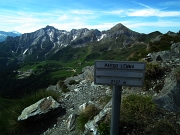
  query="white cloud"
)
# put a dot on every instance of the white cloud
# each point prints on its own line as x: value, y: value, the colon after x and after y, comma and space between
x: 152, y: 12
x: 82, y: 12
x: 142, y: 4
x: 114, y: 12
x: 63, y: 17
x: 162, y: 23
x: 92, y: 19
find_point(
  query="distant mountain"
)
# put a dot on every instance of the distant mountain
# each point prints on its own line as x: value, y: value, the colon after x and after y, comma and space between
x: 50, y: 43
x: 49, y: 40
x: 4, y: 34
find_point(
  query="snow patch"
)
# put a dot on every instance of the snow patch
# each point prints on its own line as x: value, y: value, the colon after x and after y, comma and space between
x: 51, y: 35
x: 74, y: 37
x: 102, y: 36
x: 25, y: 51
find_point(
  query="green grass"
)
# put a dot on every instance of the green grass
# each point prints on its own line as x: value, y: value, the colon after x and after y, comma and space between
x: 136, y: 112
x: 6, y: 103
x: 86, y: 115
x: 153, y: 72
x: 161, y: 127
x: 13, y: 108
x: 104, y: 128
x: 177, y: 74
x: 137, y: 109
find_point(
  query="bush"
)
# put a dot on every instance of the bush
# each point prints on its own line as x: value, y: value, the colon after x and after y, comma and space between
x: 137, y: 110
x: 104, y: 128
x: 63, y: 86
x: 86, y: 115
x: 71, y: 82
x: 162, y: 127
x: 154, y: 71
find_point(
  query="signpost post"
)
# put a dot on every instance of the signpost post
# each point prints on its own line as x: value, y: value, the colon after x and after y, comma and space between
x: 118, y: 74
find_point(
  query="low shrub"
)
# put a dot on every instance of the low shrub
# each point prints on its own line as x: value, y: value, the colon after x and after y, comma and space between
x: 63, y: 86
x: 86, y: 115
x: 104, y: 128
x: 71, y: 82
x: 154, y: 71
x: 105, y: 99
x: 137, y: 111
x: 162, y: 127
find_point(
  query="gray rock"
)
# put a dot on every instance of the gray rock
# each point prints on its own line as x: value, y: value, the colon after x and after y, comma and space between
x: 71, y: 122
x: 42, y: 108
x: 175, y: 48
x: 83, y: 107
x: 92, y: 125
x: 161, y: 56
x: 168, y: 98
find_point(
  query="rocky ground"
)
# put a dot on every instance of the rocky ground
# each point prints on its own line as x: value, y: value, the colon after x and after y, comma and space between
x: 165, y: 91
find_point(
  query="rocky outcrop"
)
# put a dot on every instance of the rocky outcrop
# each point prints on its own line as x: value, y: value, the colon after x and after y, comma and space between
x: 175, y: 48
x: 44, y: 107
x: 166, y: 56
x: 168, y: 98
x: 86, y: 77
x: 81, y: 94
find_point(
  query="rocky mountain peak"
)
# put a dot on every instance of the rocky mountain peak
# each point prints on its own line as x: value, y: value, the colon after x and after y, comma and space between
x: 49, y: 27
x: 119, y: 26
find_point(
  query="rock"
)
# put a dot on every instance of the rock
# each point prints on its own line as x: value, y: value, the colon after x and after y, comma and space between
x: 44, y: 107
x: 168, y: 98
x: 54, y: 88
x: 175, y: 48
x: 82, y: 107
x: 93, y: 124
x: 88, y: 73
x: 71, y: 122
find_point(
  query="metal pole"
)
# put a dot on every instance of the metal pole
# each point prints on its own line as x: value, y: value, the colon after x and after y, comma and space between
x: 115, y: 116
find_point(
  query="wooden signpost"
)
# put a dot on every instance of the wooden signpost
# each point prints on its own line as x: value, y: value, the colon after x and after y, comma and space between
x: 118, y: 74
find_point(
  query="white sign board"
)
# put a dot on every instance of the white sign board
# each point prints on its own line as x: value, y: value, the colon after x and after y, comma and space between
x: 119, y: 73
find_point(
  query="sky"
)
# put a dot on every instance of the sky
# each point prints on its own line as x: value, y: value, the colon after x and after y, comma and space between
x: 143, y: 16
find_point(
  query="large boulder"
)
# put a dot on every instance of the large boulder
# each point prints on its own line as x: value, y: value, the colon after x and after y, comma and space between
x: 44, y: 107
x: 168, y: 98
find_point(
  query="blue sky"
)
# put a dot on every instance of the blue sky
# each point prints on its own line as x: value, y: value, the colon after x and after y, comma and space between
x: 143, y: 16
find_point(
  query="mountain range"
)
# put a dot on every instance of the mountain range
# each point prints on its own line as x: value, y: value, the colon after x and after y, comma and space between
x: 49, y: 40
x: 3, y: 35
x: 50, y: 43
